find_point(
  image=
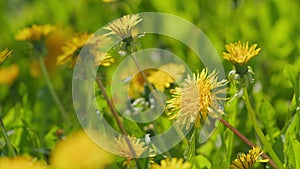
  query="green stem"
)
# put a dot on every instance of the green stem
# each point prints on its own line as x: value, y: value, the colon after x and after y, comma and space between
x: 230, y: 141
x: 52, y: 91
x: 259, y: 131
x: 190, y: 156
x: 11, y: 151
x: 115, y: 114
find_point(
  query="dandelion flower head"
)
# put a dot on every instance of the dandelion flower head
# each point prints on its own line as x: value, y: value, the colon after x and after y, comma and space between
x: 77, y: 152
x: 121, y: 146
x: 172, y: 163
x: 73, y: 47
x: 247, y: 161
x: 34, y: 33
x: 239, y: 53
x: 123, y: 27
x: 165, y: 75
x: 196, y: 98
x: 9, y: 74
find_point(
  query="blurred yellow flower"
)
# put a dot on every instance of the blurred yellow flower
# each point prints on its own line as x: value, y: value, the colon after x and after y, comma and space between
x: 137, y: 84
x: 161, y: 78
x: 247, y: 161
x: 34, y: 33
x: 165, y: 75
x: 9, y: 74
x: 239, y: 53
x: 21, y: 162
x: 121, y: 146
x: 196, y: 98
x: 123, y: 27
x: 73, y: 47
x: 54, y: 43
x: 4, y: 55
x: 172, y: 163
x: 79, y: 152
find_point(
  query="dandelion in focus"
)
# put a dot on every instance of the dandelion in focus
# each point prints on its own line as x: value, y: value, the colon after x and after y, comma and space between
x: 198, y: 97
x: 172, y: 163
x: 77, y: 152
x: 72, y: 49
x: 247, y: 161
x: 239, y: 53
x: 21, y: 162
x: 122, y: 148
x: 4, y: 55
x: 123, y: 27
x: 34, y: 33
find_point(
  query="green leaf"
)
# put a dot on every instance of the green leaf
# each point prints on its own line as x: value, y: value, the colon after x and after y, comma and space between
x: 268, y: 118
x: 291, y: 146
x: 132, y: 128
x: 290, y: 73
x: 293, y: 155
x: 201, y: 162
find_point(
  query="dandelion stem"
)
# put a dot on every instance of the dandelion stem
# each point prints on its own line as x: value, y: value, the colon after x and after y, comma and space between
x: 230, y: 141
x: 259, y: 131
x: 11, y: 151
x: 115, y: 114
x: 52, y: 91
x: 246, y: 140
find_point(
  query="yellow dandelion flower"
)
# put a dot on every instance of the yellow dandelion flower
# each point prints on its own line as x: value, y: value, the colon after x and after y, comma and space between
x: 196, y: 98
x: 34, y: 33
x: 165, y: 75
x: 239, y: 53
x: 172, y: 163
x: 77, y: 152
x: 123, y: 27
x: 247, y: 161
x: 73, y: 47
x: 53, y: 43
x: 21, y: 162
x: 137, y: 84
x: 9, y: 74
x: 4, y: 55
x: 121, y: 146
x: 161, y: 78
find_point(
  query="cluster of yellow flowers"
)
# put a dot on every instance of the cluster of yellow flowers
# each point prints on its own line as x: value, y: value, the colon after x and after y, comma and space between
x: 75, y: 152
